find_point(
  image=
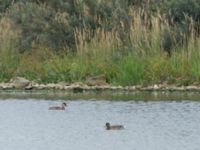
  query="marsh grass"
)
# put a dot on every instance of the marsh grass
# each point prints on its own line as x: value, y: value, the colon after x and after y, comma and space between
x: 9, y: 58
x: 126, y: 59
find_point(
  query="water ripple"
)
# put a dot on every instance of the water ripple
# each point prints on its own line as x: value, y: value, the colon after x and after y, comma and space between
x: 28, y: 124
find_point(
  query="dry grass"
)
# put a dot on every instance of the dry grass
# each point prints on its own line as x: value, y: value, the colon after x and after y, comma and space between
x: 126, y: 59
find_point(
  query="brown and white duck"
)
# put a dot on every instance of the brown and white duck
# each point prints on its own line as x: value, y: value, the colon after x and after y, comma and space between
x: 62, y: 107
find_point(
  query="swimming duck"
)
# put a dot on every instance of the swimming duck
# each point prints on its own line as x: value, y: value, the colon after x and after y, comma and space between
x: 62, y: 107
x: 113, y: 127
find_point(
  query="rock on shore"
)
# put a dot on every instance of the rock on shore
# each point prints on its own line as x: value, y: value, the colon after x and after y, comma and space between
x: 92, y: 84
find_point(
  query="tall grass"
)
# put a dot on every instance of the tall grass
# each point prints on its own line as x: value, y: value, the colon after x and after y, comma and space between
x: 9, y: 58
x: 126, y: 57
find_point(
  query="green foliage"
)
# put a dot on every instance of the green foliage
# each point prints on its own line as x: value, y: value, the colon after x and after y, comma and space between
x: 9, y: 62
x: 4, y: 4
x: 40, y: 25
x: 68, y: 40
x: 181, y: 8
x: 52, y: 23
x: 131, y: 70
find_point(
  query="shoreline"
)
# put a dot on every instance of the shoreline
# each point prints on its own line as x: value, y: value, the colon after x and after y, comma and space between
x: 80, y: 87
x: 117, y: 94
x: 24, y: 89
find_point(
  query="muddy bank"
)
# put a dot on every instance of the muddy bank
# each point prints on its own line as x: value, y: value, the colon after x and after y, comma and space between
x: 24, y: 84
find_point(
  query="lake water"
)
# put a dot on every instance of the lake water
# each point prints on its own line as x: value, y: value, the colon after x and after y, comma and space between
x: 155, y: 125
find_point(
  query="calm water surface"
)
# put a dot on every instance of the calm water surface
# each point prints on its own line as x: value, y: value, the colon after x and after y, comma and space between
x: 29, y: 125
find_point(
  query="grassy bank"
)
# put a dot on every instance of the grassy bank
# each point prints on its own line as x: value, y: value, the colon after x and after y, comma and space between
x: 138, y: 57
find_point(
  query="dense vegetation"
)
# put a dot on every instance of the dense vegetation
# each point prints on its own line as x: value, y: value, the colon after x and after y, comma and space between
x: 130, y: 41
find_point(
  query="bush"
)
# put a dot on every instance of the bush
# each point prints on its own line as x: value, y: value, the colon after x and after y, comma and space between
x: 52, y: 23
x: 4, y: 4
x: 40, y: 25
x: 181, y: 8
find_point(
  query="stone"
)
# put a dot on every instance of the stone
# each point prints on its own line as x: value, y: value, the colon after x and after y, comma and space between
x: 19, y: 82
x: 192, y: 88
x: 6, y: 86
x: 96, y: 80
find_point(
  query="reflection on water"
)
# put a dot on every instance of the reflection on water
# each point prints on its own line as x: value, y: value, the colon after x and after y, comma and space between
x: 29, y: 125
x: 99, y: 95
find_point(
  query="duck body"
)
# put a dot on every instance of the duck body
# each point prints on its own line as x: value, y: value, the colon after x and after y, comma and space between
x: 62, y: 107
x: 113, y: 127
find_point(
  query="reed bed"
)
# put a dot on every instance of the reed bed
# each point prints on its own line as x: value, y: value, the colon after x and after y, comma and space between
x: 126, y: 55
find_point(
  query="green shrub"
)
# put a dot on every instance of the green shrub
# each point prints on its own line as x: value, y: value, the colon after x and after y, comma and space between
x: 4, y: 4
x: 40, y: 25
x: 181, y: 8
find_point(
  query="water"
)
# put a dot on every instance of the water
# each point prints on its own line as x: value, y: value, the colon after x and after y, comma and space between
x: 156, y: 125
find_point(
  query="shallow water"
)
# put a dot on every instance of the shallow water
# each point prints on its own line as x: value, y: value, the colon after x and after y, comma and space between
x: 29, y: 125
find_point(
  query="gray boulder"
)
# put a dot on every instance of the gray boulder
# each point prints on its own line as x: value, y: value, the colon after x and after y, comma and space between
x: 19, y: 82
